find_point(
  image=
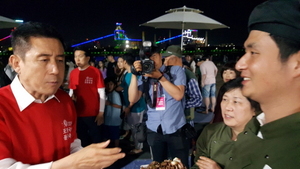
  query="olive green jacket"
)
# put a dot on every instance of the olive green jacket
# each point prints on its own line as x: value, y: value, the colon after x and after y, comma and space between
x: 278, y: 149
x: 215, y: 143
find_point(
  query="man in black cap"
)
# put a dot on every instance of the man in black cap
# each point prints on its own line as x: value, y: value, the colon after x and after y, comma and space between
x: 271, y: 71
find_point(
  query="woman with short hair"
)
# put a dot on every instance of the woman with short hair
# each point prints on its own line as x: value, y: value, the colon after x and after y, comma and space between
x: 214, y: 145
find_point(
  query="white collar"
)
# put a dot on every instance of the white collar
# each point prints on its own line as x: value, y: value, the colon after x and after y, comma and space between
x: 261, y: 119
x: 23, y: 98
x: 83, y: 69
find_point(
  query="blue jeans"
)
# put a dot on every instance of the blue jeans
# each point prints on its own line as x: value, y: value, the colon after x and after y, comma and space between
x: 209, y: 90
x: 88, y: 131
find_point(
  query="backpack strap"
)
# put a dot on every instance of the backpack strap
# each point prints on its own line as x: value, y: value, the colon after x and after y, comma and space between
x: 168, y: 72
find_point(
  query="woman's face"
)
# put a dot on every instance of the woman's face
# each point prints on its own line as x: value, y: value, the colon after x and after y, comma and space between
x: 120, y: 63
x: 92, y: 63
x: 228, y: 74
x: 236, y: 109
x: 100, y: 64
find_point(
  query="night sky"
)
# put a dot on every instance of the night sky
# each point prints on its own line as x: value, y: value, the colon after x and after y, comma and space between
x: 81, y: 19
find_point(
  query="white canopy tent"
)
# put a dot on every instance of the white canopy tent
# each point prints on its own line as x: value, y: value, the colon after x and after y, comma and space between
x: 8, y: 23
x: 184, y: 18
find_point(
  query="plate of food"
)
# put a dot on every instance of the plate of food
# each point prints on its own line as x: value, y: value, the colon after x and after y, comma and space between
x: 166, y: 164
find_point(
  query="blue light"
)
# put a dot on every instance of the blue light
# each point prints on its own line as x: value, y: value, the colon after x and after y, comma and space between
x: 168, y: 39
x: 92, y: 40
x: 130, y: 39
x: 134, y: 39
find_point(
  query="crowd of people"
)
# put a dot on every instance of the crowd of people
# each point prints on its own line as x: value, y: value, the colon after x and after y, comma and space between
x: 256, y: 123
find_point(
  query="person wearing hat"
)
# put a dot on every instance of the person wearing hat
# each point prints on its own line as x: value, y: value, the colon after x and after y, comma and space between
x: 271, y: 71
x: 165, y: 106
x: 193, y: 96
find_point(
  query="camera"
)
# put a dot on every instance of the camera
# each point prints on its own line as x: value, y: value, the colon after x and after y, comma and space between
x: 147, y: 64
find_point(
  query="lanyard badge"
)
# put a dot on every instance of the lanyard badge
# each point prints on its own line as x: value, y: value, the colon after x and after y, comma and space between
x: 158, y: 102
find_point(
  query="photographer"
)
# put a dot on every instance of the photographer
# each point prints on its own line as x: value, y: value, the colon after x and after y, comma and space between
x: 166, y: 110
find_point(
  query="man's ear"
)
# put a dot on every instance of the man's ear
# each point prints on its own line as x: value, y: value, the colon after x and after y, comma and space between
x: 295, y: 60
x: 14, y: 62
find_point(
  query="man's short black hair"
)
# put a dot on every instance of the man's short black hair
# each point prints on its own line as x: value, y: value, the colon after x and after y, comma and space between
x: 190, y: 55
x: 129, y: 58
x: 286, y: 47
x: 86, y: 51
x: 154, y: 49
x: 110, y: 79
x: 203, y: 58
x: 21, y: 36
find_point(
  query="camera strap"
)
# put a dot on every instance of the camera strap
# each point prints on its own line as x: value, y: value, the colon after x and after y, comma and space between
x: 133, y: 71
x: 155, y: 88
x: 146, y: 92
x: 152, y: 102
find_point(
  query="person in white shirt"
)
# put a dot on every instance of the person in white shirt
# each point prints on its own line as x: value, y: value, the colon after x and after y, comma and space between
x: 35, y: 131
x: 190, y: 63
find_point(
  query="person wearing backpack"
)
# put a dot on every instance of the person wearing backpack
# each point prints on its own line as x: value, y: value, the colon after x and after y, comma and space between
x: 193, y: 97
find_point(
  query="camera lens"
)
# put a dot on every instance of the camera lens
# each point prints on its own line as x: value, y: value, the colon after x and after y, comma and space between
x: 148, y: 66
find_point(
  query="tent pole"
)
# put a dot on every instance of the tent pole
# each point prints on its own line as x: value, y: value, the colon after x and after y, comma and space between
x: 206, y: 38
x: 143, y: 36
x: 182, y: 29
x: 170, y: 36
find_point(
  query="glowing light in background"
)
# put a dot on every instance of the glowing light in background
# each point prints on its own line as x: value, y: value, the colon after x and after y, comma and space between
x: 168, y: 39
x: 131, y: 39
x: 19, y: 21
x: 93, y: 40
x: 5, y: 38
